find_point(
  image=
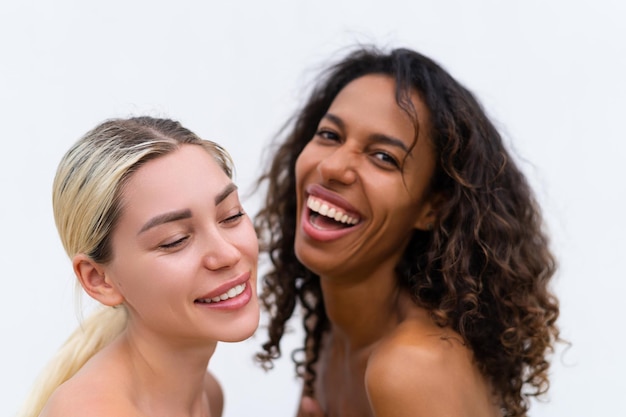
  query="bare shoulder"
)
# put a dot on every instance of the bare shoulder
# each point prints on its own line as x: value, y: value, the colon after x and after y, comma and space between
x: 425, y: 371
x: 215, y: 394
x: 415, y: 360
x: 77, y: 398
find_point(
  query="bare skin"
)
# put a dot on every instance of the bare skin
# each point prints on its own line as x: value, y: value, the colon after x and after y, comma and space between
x: 181, y: 240
x: 171, y: 389
x: 405, y: 365
x: 383, y: 356
x: 416, y: 369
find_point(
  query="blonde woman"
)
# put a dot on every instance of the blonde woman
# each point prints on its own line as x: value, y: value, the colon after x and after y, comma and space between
x: 152, y: 222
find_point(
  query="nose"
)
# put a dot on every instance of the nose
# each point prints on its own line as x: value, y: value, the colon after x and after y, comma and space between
x: 338, y: 166
x: 220, y: 253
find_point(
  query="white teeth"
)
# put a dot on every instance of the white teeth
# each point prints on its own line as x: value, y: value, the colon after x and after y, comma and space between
x: 332, y: 212
x: 233, y: 292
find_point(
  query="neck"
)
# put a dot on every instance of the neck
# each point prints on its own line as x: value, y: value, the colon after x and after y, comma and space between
x: 364, y: 310
x: 165, y: 375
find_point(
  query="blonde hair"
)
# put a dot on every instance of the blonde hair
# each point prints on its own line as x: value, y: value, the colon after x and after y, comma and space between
x: 86, y: 200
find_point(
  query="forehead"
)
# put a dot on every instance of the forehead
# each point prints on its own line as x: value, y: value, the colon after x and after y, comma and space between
x: 371, y: 101
x: 183, y: 176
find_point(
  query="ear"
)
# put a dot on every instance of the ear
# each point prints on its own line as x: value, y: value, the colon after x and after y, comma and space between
x: 93, y: 279
x: 428, y: 213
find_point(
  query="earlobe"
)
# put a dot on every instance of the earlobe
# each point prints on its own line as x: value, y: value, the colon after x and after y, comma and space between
x: 426, y: 222
x: 428, y: 215
x: 93, y: 279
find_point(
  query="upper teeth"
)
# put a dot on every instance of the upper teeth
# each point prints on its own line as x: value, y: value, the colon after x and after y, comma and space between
x: 233, y: 292
x: 332, y: 212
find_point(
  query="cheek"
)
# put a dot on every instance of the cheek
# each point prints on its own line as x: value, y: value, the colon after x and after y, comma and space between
x: 304, y: 166
x: 246, y: 240
x: 305, y: 161
x: 148, y: 277
x: 128, y: 277
x: 299, y: 167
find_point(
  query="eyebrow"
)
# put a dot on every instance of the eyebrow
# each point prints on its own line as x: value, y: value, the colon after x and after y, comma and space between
x: 176, y: 215
x: 377, y: 137
x: 225, y: 193
x: 171, y: 216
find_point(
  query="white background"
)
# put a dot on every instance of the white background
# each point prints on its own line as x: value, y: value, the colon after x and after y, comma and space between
x: 549, y: 72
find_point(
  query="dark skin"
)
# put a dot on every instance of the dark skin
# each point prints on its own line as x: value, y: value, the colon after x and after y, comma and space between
x: 383, y: 356
x: 417, y: 364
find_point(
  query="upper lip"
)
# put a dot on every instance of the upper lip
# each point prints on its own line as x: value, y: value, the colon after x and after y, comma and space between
x: 319, y: 191
x: 217, y: 291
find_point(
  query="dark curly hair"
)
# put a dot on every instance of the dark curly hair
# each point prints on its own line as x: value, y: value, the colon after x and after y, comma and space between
x: 483, y: 269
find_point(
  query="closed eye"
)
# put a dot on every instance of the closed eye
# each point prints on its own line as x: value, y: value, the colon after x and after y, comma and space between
x: 174, y: 244
x: 233, y: 219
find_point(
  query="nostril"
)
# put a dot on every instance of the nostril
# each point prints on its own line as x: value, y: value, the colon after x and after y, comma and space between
x: 222, y: 257
x: 338, y: 169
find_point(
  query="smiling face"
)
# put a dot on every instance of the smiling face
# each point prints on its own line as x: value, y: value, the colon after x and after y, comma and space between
x: 362, y: 182
x: 184, y: 252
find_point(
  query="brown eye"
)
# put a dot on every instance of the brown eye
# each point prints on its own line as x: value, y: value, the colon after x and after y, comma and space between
x: 327, y: 134
x: 386, y: 158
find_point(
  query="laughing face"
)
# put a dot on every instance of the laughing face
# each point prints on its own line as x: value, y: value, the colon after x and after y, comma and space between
x: 184, y: 252
x: 362, y: 182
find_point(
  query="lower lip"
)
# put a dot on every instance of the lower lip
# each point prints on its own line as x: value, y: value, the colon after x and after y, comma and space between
x: 234, y: 303
x: 321, y: 235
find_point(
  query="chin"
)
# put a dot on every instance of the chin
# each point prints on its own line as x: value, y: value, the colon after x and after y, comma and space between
x: 243, y: 328
x: 310, y: 260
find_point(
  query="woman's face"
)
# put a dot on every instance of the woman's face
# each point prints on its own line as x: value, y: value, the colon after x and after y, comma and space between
x: 184, y: 252
x: 362, y: 182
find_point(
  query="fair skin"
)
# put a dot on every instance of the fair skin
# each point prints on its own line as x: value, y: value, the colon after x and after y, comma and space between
x: 182, y: 239
x: 384, y: 356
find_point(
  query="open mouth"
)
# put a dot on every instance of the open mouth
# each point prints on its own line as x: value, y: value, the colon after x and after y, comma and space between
x: 232, y: 293
x: 324, y: 216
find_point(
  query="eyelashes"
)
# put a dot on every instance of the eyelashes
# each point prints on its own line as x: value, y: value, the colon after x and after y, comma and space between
x: 382, y: 158
x: 179, y: 242
x: 386, y: 158
x: 174, y: 244
x: 327, y: 134
x: 234, y: 218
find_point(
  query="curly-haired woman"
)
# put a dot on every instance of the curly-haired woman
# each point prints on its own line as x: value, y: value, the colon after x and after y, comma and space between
x: 398, y: 221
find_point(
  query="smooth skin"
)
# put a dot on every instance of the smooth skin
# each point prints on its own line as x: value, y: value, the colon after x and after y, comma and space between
x: 384, y: 356
x: 182, y: 236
